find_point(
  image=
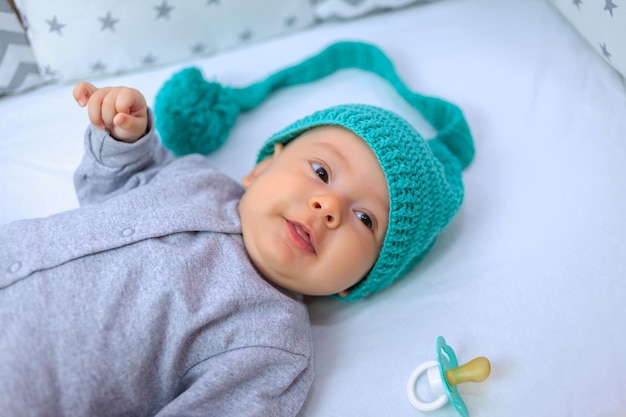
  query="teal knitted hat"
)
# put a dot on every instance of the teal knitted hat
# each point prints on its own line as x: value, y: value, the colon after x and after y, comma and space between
x: 423, y: 176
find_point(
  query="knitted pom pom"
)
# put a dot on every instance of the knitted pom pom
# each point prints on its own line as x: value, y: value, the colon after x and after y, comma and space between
x: 193, y: 115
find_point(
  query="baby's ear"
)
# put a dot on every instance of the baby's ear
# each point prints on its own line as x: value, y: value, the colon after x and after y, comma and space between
x: 247, y: 180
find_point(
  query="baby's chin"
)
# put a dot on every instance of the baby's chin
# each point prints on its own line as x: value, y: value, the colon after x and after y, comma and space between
x: 288, y: 279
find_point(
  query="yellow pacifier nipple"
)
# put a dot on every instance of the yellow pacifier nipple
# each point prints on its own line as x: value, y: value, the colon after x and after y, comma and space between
x: 476, y: 370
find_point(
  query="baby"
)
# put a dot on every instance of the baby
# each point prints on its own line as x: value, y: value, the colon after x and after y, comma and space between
x: 315, y: 214
x: 174, y: 290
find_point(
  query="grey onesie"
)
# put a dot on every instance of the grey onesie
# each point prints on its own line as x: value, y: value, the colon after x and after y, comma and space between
x: 143, y: 301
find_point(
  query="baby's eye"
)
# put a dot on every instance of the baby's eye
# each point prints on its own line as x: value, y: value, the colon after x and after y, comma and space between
x: 365, y: 219
x: 320, y: 171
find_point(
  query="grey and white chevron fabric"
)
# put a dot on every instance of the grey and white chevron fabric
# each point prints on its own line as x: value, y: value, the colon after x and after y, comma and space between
x: 18, y: 69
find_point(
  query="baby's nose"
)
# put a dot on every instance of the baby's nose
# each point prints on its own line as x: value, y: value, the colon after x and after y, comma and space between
x: 329, y: 207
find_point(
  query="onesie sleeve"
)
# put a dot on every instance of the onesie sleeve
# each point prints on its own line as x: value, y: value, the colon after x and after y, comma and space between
x: 110, y: 167
x: 252, y: 381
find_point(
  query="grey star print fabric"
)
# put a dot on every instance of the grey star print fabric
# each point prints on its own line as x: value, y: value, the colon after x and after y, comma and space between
x: 602, y: 23
x: 73, y: 39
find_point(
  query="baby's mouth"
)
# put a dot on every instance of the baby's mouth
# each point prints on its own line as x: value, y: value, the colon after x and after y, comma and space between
x: 300, y: 236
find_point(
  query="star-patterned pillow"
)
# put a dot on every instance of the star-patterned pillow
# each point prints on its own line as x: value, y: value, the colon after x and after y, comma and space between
x: 602, y: 23
x: 349, y: 9
x: 74, y: 39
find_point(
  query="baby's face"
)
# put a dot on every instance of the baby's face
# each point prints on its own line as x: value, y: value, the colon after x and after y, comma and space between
x: 315, y: 214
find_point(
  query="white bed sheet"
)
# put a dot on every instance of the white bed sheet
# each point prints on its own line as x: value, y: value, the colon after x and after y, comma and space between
x: 532, y: 272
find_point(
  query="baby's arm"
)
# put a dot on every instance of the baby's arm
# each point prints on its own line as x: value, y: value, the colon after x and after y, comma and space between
x: 121, y: 111
x: 122, y: 150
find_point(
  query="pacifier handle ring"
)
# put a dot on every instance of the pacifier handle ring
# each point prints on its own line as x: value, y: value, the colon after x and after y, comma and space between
x: 410, y: 389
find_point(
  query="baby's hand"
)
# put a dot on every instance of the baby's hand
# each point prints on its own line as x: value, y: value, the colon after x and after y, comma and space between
x: 122, y: 111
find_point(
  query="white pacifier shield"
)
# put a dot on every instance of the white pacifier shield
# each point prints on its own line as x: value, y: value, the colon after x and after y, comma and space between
x: 434, y: 379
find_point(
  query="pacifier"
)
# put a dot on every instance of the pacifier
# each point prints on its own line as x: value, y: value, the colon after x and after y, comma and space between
x: 444, y: 374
